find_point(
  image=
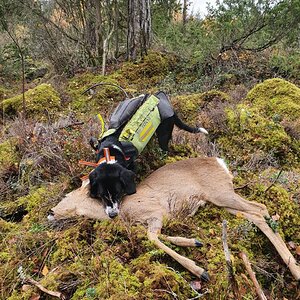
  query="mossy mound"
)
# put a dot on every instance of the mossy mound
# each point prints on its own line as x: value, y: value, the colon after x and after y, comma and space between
x: 266, y: 122
x: 40, y: 102
x: 133, y: 77
x: 102, y: 98
x: 191, y: 106
x: 277, y: 99
x: 149, y: 71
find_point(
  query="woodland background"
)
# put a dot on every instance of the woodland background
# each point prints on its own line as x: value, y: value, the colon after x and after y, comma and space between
x: 236, y: 72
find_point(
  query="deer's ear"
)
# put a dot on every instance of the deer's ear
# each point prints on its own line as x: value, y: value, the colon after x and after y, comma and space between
x: 127, y: 179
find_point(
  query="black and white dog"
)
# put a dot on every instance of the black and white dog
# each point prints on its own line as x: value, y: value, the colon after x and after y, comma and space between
x: 131, y: 126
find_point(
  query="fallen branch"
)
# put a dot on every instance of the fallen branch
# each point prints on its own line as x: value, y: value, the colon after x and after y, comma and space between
x: 27, y: 279
x: 231, y: 277
x: 43, y: 289
x: 258, y: 289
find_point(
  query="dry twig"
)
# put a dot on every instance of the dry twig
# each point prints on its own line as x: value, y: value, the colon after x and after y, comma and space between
x: 274, y: 181
x: 258, y: 289
x: 232, y: 280
x: 27, y: 279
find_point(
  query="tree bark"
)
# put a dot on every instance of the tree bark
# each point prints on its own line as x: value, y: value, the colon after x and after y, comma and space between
x: 184, y: 13
x: 139, y: 28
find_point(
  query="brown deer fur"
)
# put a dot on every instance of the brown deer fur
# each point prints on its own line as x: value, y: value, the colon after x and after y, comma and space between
x: 191, y: 183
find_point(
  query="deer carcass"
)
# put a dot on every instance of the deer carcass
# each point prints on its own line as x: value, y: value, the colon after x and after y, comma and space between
x: 193, y: 181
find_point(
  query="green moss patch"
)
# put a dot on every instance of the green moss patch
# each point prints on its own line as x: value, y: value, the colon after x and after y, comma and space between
x: 266, y: 121
x: 191, y: 106
x: 40, y: 102
x: 277, y: 99
x: 4, y: 93
x: 8, y: 154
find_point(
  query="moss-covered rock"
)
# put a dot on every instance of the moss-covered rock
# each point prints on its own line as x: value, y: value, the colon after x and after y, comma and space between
x: 40, y: 102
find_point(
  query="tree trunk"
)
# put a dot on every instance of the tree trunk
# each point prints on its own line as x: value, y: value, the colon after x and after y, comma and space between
x: 139, y: 28
x: 98, y: 21
x: 184, y: 13
x: 116, y: 24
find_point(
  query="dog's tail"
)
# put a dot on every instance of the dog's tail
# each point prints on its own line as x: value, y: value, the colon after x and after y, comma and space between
x: 188, y: 128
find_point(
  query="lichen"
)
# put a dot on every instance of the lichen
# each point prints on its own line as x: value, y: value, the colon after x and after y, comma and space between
x: 40, y: 102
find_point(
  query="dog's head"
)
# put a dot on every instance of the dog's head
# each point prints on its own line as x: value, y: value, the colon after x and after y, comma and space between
x: 110, y: 182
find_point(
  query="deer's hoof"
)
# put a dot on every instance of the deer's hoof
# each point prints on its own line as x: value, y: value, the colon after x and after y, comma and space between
x: 198, y: 243
x: 204, y: 276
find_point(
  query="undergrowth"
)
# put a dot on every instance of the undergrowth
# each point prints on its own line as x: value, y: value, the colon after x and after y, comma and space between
x: 257, y: 132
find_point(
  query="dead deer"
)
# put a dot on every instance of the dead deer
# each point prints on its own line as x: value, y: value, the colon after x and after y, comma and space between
x: 197, y: 179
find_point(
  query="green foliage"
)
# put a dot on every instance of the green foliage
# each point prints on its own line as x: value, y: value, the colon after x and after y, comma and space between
x: 254, y: 25
x: 285, y: 64
x: 40, y: 101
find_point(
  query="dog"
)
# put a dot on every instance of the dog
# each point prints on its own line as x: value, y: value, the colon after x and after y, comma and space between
x: 131, y: 126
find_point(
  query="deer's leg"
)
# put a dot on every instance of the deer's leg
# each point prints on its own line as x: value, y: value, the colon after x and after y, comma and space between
x: 255, y: 215
x: 181, y: 241
x: 154, y: 228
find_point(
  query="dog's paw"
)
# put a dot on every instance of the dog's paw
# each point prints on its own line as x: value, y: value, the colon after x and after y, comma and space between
x: 203, y: 130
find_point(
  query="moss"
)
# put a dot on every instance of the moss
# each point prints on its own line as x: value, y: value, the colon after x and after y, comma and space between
x: 105, y: 97
x: 37, y: 198
x: 40, y: 102
x: 258, y: 131
x: 4, y: 93
x: 36, y: 204
x: 266, y: 121
x: 276, y: 98
x: 133, y: 77
x: 8, y: 154
x: 149, y: 71
x: 278, y: 201
x: 190, y: 106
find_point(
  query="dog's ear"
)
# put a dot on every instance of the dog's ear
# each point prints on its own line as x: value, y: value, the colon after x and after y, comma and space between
x: 127, y: 179
x: 95, y: 184
x: 94, y: 143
